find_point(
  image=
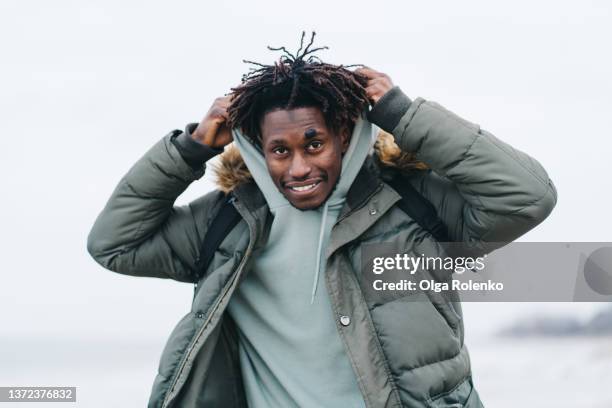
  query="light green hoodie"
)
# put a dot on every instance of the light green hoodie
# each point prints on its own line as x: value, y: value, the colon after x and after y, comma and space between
x: 290, y: 350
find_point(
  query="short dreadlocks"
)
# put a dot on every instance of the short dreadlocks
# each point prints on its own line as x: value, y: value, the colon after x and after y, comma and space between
x: 300, y: 80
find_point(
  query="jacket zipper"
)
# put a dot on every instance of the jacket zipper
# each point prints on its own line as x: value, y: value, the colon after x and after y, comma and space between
x: 207, y: 322
x: 362, y: 204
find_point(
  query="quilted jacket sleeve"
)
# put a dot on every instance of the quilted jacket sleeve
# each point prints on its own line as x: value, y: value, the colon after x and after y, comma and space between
x: 140, y: 231
x: 484, y: 190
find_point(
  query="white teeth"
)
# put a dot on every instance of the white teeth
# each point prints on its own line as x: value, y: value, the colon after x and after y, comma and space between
x: 304, y: 188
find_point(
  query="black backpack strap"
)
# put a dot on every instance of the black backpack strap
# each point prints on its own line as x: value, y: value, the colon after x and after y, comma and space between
x: 226, y: 219
x: 419, y: 208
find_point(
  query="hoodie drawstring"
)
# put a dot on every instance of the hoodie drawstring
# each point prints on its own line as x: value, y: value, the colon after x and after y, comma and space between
x: 319, y: 249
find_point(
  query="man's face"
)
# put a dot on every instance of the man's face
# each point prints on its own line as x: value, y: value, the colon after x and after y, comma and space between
x: 304, y: 157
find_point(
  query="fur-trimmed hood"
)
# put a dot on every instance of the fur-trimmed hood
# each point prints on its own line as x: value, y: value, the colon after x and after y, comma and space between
x: 231, y: 170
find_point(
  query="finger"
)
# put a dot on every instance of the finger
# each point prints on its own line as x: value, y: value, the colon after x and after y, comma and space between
x: 374, y: 90
x: 364, y: 68
x: 211, y: 131
x: 369, y: 72
x: 381, y: 81
x: 223, y: 101
x: 370, y: 93
x: 224, y: 105
x: 218, y: 114
x: 375, y: 87
x: 220, y: 107
x: 377, y: 80
x: 223, y: 113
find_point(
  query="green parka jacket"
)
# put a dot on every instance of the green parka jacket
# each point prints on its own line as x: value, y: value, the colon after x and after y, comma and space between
x: 404, y: 353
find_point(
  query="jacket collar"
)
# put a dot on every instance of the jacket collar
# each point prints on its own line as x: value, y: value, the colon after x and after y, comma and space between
x: 365, y: 184
x: 250, y: 195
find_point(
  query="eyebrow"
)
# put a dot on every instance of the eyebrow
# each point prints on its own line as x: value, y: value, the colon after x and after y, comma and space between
x: 276, y: 142
x: 308, y: 134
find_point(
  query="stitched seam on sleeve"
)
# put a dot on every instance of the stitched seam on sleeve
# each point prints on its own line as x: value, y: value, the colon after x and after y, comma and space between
x: 163, y: 171
x: 532, y: 203
x: 455, y: 118
x: 142, y: 220
x: 476, y: 135
x: 144, y: 197
x: 465, y: 186
x: 467, y: 151
x: 530, y: 171
x: 483, y: 237
x: 493, y: 141
x: 410, y: 115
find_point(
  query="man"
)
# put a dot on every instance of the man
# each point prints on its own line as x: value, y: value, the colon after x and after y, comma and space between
x: 280, y: 317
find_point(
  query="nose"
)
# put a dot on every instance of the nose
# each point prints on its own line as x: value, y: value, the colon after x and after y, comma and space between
x: 299, y: 169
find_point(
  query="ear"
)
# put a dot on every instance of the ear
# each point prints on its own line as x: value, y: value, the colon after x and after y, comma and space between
x: 345, y: 139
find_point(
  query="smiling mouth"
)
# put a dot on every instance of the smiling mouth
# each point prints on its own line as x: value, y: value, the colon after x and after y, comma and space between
x: 306, y: 187
x: 303, y: 188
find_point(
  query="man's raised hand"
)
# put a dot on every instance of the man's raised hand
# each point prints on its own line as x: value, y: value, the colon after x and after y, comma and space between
x: 378, y: 83
x: 213, y: 130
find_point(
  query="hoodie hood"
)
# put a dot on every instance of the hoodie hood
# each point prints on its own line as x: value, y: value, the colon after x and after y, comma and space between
x: 287, y: 216
x: 362, y: 139
x: 231, y: 170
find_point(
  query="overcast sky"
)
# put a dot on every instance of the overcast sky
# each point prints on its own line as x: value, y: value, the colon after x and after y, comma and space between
x: 88, y: 86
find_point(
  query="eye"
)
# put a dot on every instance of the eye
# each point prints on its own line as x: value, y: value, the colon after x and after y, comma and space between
x: 315, y: 145
x: 280, y: 150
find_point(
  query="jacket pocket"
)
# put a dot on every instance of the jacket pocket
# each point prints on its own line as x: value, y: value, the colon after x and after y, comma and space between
x: 414, y: 332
